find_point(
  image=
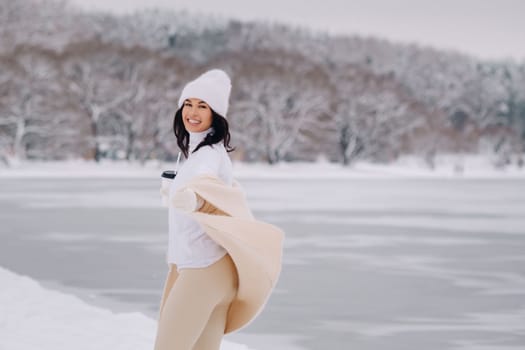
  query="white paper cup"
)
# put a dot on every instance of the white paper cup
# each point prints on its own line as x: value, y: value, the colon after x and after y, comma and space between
x: 166, y: 180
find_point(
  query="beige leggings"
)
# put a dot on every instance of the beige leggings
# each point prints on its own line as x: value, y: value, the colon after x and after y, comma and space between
x: 194, y: 306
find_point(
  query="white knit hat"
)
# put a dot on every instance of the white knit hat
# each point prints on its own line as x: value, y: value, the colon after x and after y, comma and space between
x: 213, y: 87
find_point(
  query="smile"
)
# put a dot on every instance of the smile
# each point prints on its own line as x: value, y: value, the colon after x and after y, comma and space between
x: 193, y: 121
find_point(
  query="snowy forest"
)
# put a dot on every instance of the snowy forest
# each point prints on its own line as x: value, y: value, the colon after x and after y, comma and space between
x: 79, y: 85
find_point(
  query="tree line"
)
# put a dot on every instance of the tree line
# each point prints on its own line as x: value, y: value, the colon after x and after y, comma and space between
x: 95, y: 86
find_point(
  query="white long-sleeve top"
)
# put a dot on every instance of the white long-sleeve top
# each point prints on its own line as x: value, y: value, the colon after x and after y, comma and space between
x: 188, y: 245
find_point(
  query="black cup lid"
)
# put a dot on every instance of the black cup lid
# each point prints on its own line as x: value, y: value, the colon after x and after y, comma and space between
x: 169, y: 174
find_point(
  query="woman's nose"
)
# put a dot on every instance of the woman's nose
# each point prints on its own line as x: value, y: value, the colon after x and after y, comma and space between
x: 194, y: 110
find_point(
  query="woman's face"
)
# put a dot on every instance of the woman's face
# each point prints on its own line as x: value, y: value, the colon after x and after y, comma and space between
x: 196, y: 115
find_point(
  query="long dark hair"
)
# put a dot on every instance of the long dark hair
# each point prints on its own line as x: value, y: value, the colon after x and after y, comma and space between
x: 221, y: 132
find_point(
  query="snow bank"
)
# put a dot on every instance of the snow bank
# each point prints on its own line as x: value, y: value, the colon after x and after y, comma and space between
x: 32, y: 317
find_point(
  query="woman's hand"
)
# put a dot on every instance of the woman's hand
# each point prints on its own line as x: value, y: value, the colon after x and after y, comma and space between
x: 186, y: 200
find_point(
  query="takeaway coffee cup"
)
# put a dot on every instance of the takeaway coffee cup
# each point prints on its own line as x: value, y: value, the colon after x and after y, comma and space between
x: 166, y: 180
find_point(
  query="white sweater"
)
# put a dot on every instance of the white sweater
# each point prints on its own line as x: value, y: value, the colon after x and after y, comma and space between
x: 188, y: 245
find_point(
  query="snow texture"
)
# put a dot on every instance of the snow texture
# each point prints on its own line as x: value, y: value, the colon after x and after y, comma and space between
x: 32, y: 317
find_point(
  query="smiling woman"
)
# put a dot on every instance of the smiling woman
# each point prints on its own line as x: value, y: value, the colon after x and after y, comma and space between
x: 203, y: 105
x: 215, y: 283
x: 202, y: 279
x: 196, y: 115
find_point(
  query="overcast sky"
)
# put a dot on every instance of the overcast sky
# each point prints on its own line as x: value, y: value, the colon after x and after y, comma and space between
x: 493, y: 29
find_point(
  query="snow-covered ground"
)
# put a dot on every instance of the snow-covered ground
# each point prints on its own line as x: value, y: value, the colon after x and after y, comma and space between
x: 446, y: 166
x: 32, y: 317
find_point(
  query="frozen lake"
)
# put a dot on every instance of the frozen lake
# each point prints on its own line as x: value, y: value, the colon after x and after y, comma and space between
x: 398, y: 264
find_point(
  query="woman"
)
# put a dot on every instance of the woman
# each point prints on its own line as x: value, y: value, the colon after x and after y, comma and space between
x: 216, y: 283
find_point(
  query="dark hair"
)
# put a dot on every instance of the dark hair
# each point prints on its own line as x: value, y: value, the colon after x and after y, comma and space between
x: 220, y: 132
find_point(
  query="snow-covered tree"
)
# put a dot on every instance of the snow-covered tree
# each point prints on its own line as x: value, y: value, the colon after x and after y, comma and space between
x: 370, y: 113
x: 29, y: 105
x: 148, y: 115
x: 275, y: 108
x: 93, y: 86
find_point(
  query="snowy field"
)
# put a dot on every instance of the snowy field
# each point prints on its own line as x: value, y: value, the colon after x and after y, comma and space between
x: 375, y: 257
x: 446, y: 166
x: 32, y: 317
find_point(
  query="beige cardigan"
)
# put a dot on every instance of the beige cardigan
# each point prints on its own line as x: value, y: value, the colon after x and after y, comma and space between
x: 255, y: 247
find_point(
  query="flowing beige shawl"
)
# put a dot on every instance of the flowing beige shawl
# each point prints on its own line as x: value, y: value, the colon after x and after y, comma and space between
x: 255, y: 246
